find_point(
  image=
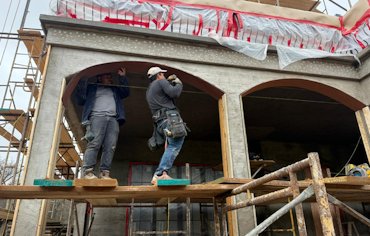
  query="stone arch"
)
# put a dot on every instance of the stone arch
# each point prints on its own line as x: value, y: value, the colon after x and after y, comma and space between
x: 335, y: 94
x: 139, y: 68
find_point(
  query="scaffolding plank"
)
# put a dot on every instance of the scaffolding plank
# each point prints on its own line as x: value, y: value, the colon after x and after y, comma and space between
x: 66, y: 147
x: 99, y: 183
x: 17, y: 118
x: 166, y: 200
x: 53, y: 182
x: 103, y: 202
x: 30, y: 83
x: 34, y: 42
x: 152, y: 194
x: 8, y: 136
x: 121, y: 193
x: 6, y: 214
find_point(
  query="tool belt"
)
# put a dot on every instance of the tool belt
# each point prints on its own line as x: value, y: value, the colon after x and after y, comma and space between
x: 176, y: 127
x: 159, y: 115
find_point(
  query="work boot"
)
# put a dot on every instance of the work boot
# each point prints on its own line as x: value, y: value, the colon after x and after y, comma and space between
x: 166, y: 176
x: 89, y: 174
x: 156, y: 177
x: 104, y: 174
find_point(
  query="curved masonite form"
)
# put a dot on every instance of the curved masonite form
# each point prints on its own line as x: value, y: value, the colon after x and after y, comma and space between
x: 139, y: 68
x: 323, y: 89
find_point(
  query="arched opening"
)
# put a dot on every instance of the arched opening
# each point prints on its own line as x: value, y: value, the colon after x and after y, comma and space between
x: 287, y: 119
x: 134, y: 163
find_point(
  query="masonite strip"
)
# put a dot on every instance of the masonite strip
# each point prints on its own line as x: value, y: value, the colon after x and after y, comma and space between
x: 53, y: 183
x: 173, y: 182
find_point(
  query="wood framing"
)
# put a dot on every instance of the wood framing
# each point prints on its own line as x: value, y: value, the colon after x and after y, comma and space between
x: 225, y: 149
x: 363, y: 120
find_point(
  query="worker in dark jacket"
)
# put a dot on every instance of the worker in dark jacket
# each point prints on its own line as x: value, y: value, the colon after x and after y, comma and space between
x: 160, y: 96
x: 103, y: 113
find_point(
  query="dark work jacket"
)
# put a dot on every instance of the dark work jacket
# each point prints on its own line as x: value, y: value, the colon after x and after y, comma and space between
x: 85, y: 96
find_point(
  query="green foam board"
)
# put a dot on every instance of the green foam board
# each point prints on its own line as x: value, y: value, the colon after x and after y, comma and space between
x: 53, y: 182
x: 173, y: 182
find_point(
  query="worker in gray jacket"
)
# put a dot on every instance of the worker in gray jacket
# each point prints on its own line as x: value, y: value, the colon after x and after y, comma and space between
x: 160, y: 96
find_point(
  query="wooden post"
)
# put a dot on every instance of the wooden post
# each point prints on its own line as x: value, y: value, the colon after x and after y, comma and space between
x: 188, y: 206
x: 226, y: 155
x: 216, y: 218
x: 321, y: 195
x: 363, y: 120
x: 298, y: 209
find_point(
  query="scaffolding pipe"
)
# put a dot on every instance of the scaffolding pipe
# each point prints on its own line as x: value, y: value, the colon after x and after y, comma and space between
x: 283, y: 193
x: 307, y: 193
x: 321, y: 195
x: 216, y: 218
x: 349, y: 210
x: 272, y: 176
x: 299, y: 208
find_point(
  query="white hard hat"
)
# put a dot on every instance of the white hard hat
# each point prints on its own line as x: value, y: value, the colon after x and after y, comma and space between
x: 154, y: 70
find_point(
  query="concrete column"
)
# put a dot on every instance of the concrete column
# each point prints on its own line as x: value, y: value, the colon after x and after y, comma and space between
x: 363, y: 120
x: 30, y: 216
x: 235, y: 157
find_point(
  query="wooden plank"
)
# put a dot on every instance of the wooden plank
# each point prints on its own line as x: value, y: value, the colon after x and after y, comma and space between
x: 165, y: 200
x: 365, y: 135
x: 103, y: 202
x: 225, y: 149
x: 119, y: 192
x: 100, y: 183
x: 34, y: 42
x: 30, y: 83
x: 257, y: 163
x: 53, y: 182
x: 332, y: 181
x: 194, y: 191
x: 6, y: 214
x: 173, y: 182
x: 306, y: 5
x: 8, y: 136
x: 17, y: 118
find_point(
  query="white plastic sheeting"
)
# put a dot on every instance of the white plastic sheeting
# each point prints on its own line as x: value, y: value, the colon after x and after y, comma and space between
x: 255, y: 50
x: 246, y: 33
x: 289, y: 55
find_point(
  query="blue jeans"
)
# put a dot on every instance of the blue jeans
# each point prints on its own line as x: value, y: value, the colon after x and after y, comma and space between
x: 106, y: 130
x: 174, y: 146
